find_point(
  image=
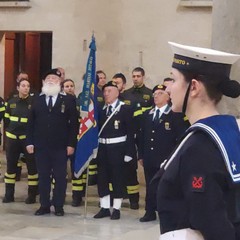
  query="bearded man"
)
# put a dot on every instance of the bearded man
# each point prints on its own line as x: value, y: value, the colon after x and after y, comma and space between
x: 51, y: 136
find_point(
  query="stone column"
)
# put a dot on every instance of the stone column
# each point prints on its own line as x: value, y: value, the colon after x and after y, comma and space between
x: 226, y: 37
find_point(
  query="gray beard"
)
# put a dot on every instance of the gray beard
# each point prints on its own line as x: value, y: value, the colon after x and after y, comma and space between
x: 51, y: 89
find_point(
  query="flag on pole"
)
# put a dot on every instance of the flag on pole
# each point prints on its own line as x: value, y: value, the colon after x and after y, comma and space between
x: 87, y: 144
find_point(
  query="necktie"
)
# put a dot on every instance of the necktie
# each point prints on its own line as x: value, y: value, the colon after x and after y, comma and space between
x: 156, y: 118
x: 50, y: 104
x: 109, y: 111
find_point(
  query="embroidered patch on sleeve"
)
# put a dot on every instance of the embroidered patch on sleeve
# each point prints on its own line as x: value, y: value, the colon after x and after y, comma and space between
x: 198, y: 183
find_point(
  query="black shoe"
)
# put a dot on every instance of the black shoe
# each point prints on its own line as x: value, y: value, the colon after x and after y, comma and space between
x: 8, y: 199
x: 115, y: 214
x: 134, y: 205
x: 59, y: 211
x: 104, y: 212
x: 148, y: 216
x: 30, y: 199
x: 42, y: 211
x: 76, y: 202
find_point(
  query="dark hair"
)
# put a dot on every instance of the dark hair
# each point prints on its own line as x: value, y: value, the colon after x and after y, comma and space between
x: 139, y: 69
x: 216, y: 86
x: 21, y: 72
x: 101, y: 71
x: 21, y: 80
x: 120, y: 75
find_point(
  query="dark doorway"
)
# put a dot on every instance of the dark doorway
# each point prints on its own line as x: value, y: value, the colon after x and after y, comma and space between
x: 26, y: 51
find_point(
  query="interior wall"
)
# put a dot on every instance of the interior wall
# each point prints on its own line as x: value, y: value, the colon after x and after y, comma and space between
x: 128, y: 33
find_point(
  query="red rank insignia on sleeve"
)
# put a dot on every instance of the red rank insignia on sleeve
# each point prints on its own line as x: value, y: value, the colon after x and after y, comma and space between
x: 198, y: 183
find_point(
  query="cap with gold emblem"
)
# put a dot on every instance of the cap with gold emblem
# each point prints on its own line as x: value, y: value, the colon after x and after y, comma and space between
x: 159, y: 87
x: 109, y: 84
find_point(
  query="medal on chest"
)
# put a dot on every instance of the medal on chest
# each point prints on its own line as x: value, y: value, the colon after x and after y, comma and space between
x: 116, y: 124
x: 63, y: 108
x: 167, y: 126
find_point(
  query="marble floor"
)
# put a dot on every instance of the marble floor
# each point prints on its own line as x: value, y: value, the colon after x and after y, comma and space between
x: 17, y: 220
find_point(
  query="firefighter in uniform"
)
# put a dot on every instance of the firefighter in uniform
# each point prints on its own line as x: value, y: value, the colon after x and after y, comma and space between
x: 16, y: 118
x: 116, y: 146
x: 51, y: 136
x: 198, y: 194
x: 2, y: 111
x: 160, y: 131
x: 139, y: 97
x: 78, y: 183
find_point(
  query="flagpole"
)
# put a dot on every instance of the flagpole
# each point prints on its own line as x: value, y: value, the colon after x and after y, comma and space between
x: 86, y: 194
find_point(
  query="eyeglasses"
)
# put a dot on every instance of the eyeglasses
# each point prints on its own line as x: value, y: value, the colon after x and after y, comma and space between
x: 156, y: 94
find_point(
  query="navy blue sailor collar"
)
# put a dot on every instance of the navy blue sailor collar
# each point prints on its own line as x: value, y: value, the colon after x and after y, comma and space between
x: 224, y: 130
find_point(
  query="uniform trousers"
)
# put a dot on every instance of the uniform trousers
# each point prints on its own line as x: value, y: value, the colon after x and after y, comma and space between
x: 151, y: 188
x: 110, y: 162
x: 52, y: 162
x: 14, y: 147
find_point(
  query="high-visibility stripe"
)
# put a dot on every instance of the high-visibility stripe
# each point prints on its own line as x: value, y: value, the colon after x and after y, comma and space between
x: 77, y: 181
x: 14, y: 119
x: 17, y: 119
x: 32, y: 183
x: 7, y: 175
x: 6, y: 115
x: 92, y: 166
x: 12, y: 136
x: 23, y: 120
x: 11, y: 181
x: 19, y: 164
x: 137, y: 113
x: 35, y: 176
x: 133, y: 189
x: 2, y: 109
x: 77, y: 188
x: 92, y: 173
x: 110, y: 187
x: 146, y: 108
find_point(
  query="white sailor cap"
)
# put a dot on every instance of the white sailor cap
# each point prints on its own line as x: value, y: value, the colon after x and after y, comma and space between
x: 202, y: 60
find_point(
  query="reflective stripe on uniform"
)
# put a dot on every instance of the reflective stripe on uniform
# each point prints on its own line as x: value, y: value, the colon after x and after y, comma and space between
x: 140, y: 111
x: 77, y: 188
x: 13, y: 175
x: 35, y: 176
x: 92, y: 172
x: 92, y: 166
x: 133, y: 189
x: 2, y: 109
x: 17, y: 119
x: 6, y: 115
x: 10, y: 178
x: 12, y: 136
x: 77, y: 181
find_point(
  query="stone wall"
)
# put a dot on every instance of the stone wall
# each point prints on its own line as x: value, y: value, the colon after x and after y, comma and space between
x: 129, y: 33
